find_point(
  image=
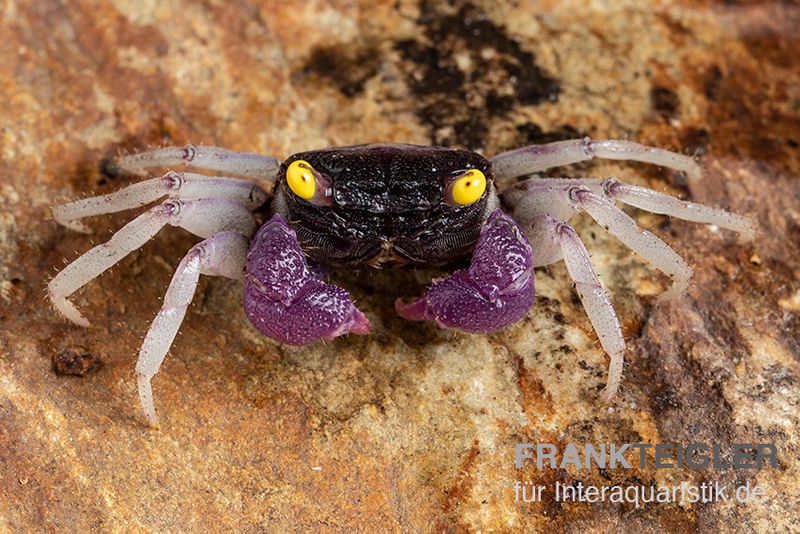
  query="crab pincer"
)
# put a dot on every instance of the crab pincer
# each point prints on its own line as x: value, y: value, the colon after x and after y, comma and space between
x: 286, y: 300
x: 495, y: 291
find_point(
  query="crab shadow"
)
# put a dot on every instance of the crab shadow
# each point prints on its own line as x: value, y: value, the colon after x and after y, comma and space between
x: 375, y: 292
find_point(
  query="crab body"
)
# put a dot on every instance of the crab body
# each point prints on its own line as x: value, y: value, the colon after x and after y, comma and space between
x: 379, y: 206
x: 386, y: 205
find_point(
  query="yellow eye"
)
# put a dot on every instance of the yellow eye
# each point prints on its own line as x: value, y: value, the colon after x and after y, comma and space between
x: 300, y: 177
x: 469, y: 187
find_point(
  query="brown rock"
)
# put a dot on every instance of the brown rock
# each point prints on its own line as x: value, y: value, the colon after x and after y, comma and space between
x: 412, y: 428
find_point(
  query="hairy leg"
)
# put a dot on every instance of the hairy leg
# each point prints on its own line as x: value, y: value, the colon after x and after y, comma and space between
x: 286, y: 300
x: 545, y: 228
x: 204, y: 217
x: 614, y: 220
x: 526, y: 193
x: 563, y: 197
x: 200, y: 157
x: 223, y: 254
x: 495, y: 291
x: 184, y: 186
x: 655, y: 202
x: 537, y: 158
x: 542, y: 205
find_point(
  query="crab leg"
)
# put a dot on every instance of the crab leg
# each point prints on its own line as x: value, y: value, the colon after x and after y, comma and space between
x: 203, y: 218
x: 286, y: 300
x: 495, y: 291
x: 647, y: 245
x: 562, y: 197
x: 655, y: 202
x: 541, y: 206
x: 616, y: 221
x: 537, y: 158
x: 185, y: 186
x: 201, y: 157
x: 222, y: 254
x: 593, y: 296
x: 536, y: 190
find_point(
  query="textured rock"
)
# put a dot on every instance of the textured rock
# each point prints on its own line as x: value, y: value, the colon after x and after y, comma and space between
x: 411, y: 428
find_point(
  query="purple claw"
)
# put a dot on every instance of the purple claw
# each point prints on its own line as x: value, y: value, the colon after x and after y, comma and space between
x: 285, y: 300
x: 496, y: 291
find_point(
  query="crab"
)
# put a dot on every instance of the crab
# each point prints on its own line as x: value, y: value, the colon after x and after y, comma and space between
x: 381, y: 205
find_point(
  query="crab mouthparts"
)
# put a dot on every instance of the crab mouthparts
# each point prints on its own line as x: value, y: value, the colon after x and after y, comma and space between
x: 386, y: 256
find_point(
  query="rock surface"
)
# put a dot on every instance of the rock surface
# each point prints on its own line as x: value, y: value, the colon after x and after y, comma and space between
x: 412, y: 428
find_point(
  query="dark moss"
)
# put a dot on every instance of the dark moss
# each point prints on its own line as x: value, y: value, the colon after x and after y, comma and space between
x: 458, y: 102
x: 532, y: 134
x: 665, y: 102
x: 346, y: 66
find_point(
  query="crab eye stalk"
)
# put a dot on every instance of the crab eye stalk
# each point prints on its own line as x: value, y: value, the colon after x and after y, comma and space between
x: 466, y: 188
x: 301, y: 180
x: 308, y: 184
